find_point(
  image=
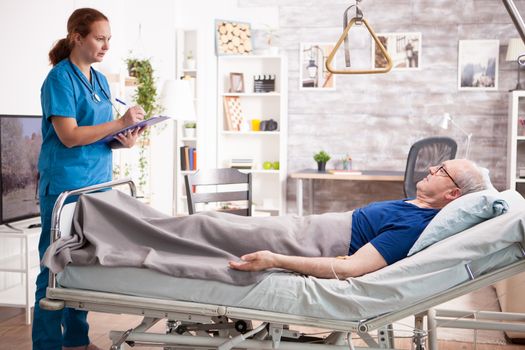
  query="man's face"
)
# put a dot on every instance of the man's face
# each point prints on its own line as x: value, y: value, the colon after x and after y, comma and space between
x: 440, y: 178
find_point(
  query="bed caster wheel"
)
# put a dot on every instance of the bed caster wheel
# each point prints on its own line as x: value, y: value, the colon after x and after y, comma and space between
x: 241, y: 326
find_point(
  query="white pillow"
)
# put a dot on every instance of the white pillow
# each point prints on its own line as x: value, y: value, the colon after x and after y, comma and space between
x: 459, y: 215
x: 514, y: 199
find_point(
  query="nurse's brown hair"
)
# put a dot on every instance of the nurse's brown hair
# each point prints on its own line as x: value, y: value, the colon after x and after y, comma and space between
x: 79, y: 22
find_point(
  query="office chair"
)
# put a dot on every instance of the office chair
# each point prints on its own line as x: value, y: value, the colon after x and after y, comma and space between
x: 219, y: 178
x: 424, y: 154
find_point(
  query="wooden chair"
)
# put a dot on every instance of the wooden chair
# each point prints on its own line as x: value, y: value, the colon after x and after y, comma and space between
x: 219, y: 177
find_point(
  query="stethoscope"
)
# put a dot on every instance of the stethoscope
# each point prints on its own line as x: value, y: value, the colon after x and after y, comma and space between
x: 91, y: 88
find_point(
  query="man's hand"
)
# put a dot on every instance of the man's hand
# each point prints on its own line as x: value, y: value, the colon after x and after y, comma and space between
x: 365, y: 260
x: 257, y: 261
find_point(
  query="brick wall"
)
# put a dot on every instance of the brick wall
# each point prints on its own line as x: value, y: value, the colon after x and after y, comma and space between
x: 376, y: 118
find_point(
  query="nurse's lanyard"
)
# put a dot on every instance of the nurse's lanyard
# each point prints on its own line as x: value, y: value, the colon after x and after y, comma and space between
x: 91, y: 88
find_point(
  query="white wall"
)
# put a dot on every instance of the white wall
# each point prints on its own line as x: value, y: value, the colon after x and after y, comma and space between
x: 30, y: 27
x: 27, y: 35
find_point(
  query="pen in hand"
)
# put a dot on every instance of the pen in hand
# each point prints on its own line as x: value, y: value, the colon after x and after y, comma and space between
x: 121, y: 102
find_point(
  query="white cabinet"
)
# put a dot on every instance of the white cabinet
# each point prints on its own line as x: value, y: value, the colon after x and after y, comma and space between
x: 516, y: 142
x: 241, y: 109
x: 187, y: 162
x: 19, y: 265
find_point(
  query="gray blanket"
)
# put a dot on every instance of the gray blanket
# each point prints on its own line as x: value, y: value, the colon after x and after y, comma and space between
x: 114, y: 229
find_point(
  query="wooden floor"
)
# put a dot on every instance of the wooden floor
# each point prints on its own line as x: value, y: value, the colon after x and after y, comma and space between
x: 15, y: 335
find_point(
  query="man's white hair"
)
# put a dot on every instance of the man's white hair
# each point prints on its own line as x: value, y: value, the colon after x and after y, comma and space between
x: 470, y: 178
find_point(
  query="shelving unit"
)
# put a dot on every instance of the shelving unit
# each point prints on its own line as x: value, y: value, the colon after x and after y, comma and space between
x: 187, y: 41
x: 516, y: 141
x: 269, y: 185
x: 19, y: 266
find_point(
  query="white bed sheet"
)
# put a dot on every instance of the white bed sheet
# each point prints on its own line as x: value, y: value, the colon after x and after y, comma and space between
x: 487, y: 246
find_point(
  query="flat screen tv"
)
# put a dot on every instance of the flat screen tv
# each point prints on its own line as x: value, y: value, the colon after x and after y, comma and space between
x: 20, y: 141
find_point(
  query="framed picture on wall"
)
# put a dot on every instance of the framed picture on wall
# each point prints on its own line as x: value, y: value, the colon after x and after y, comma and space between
x: 232, y: 38
x: 478, y: 64
x: 313, y: 73
x: 403, y: 48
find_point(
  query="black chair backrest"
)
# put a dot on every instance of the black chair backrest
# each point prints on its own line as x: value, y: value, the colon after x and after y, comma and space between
x: 218, y: 177
x: 424, y: 154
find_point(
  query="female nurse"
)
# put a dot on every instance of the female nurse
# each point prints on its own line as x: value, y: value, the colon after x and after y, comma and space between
x: 77, y: 112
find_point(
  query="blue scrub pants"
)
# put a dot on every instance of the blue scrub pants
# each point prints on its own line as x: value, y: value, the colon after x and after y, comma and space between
x: 47, y: 332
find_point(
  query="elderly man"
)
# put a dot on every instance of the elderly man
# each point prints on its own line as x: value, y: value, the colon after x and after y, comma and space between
x: 382, y: 232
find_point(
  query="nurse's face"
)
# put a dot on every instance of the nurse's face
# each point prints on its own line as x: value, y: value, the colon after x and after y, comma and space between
x: 94, y: 46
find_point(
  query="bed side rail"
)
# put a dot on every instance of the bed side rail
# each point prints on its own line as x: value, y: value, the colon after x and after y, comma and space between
x: 59, y: 205
x: 427, y: 303
x: 57, y: 209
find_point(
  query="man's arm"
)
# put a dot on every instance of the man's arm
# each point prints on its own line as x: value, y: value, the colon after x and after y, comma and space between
x: 365, y: 260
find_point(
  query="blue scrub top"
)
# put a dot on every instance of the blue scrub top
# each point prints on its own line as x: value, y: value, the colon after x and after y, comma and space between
x: 64, y: 94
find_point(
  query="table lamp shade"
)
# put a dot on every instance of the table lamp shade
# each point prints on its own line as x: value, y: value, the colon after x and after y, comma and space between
x: 515, y: 48
x: 177, y: 100
x: 444, y: 124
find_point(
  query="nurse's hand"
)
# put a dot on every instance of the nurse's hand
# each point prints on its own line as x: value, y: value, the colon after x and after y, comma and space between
x: 133, y: 116
x: 129, y: 138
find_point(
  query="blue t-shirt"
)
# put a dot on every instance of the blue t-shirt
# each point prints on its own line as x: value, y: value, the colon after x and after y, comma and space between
x: 392, y: 227
x: 64, y: 94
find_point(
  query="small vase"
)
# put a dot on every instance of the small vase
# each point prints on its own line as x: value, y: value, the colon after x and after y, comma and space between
x: 189, y: 132
x: 190, y: 64
x: 273, y: 50
x: 321, y: 166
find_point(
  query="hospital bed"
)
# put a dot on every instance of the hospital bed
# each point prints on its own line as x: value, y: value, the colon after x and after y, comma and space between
x: 213, y: 315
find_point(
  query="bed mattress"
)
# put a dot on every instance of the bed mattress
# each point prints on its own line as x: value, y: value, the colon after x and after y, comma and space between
x: 486, y: 247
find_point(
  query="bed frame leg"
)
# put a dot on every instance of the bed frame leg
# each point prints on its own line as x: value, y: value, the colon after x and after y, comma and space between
x: 418, y: 339
x: 386, y: 337
x: 117, y: 344
x: 432, y: 329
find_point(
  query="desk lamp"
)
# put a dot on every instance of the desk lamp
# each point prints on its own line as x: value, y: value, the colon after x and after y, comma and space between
x: 444, y: 125
x: 177, y: 100
x: 515, y: 52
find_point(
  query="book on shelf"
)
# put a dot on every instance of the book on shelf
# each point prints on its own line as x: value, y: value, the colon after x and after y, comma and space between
x: 344, y: 172
x: 188, y: 158
x: 182, y: 158
x: 240, y: 163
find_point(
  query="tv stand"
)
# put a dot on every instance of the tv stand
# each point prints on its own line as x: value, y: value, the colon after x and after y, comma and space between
x: 16, y: 229
x: 19, y: 265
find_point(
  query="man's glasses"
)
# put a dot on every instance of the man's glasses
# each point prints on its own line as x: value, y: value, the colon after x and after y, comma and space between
x: 441, y: 171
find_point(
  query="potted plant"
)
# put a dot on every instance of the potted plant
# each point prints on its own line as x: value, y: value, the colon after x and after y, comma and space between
x: 321, y: 158
x: 189, y: 129
x: 146, y: 96
x: 190, y: 61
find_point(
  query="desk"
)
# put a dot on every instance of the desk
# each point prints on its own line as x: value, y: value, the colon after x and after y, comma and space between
x: 311, y: 174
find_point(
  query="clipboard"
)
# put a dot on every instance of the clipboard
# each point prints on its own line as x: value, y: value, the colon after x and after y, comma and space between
x: 148, y: 122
